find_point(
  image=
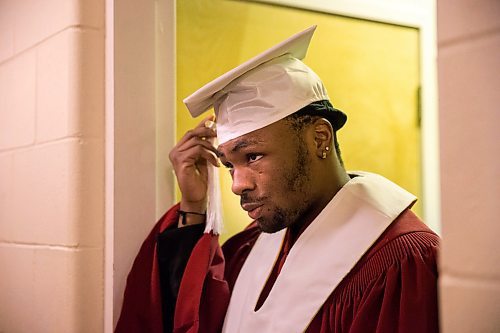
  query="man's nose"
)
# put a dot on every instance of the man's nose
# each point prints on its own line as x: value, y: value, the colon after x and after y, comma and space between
x: 242, y: 181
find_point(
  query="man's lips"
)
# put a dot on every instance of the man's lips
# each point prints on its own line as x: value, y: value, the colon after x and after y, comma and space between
x: 254, y: 209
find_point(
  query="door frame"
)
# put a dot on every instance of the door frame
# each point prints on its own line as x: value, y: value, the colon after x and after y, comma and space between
x: 140, y: 125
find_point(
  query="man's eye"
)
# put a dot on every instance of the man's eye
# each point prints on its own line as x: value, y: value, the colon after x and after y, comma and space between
x: 254, y: 157
x: 228, y: 165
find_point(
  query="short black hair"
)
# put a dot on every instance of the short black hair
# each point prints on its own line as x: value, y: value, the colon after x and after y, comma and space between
x: 320, y: 109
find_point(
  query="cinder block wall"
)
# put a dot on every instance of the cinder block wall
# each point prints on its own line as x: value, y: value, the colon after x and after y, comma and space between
x: 469, y: 103
x: 51, y: 165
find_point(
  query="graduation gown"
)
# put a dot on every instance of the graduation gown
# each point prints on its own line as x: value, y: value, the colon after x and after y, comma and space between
x: 391, y: 288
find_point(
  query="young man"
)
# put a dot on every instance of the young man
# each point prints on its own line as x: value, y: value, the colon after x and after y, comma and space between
x: 328, y: 251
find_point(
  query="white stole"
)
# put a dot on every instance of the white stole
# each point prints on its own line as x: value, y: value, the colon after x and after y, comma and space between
x: 322, y: 256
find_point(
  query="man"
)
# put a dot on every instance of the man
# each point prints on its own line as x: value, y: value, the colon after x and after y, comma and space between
x: 328, y: 251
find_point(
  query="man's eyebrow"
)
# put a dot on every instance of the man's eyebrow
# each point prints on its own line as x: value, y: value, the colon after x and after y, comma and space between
x: 244, y: 144
x: 240, y: 145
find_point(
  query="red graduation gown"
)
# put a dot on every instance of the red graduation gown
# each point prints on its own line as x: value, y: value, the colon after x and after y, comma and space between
x: 393, y: 288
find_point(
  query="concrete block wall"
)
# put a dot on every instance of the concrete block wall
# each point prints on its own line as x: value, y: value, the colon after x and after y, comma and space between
x: 469, y: 104
x: 51, y: 165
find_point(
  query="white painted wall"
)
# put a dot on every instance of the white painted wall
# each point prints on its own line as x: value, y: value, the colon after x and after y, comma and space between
x: 469, y: 103
x: 51, y: 165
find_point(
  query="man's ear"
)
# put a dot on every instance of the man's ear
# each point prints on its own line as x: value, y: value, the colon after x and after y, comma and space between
x: 323, y: 137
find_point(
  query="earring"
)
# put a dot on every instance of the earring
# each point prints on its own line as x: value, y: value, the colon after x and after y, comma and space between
x: 323, y: 156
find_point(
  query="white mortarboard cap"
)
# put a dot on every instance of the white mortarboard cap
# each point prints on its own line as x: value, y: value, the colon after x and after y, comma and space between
x: 257, y: 93
x: 261, y: 91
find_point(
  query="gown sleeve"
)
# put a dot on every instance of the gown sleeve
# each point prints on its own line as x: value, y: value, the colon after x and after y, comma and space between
x: 177, y: 281
x: 210, y: 273
x: 142, y: 307
x: 174, y: 248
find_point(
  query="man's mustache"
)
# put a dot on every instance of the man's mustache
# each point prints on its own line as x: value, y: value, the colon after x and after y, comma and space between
x: 245, y: 198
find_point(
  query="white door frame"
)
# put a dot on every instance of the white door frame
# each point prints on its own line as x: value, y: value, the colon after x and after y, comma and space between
x: 140, y: 125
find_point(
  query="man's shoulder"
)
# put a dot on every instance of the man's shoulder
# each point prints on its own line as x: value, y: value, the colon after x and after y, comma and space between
x: 407, y: 239
x: 406, y: 245
x: 406, y: 231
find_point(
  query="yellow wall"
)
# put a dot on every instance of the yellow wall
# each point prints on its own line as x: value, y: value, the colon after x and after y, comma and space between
x: 370, y: 70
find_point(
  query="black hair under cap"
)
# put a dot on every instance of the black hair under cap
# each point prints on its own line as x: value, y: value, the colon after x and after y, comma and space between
x: 325, y: 109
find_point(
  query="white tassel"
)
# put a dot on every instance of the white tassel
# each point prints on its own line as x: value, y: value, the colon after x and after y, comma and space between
x: 214, y: 206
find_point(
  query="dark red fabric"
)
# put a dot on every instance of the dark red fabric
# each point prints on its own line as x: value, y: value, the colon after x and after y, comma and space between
x: 393, y: 288
x: 204, y: 294
x: 141, y: 309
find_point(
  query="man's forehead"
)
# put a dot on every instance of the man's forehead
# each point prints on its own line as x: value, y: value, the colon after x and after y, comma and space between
x: 267, y: 135
x: 244, y: 141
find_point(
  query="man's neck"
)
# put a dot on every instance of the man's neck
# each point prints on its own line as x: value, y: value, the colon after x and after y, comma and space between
x: 327, y: 194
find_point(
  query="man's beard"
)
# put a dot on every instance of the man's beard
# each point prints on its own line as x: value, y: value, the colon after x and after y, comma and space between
x: 296, y: 180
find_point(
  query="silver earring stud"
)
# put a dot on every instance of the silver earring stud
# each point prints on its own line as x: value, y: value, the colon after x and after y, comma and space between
x: 327, y: 148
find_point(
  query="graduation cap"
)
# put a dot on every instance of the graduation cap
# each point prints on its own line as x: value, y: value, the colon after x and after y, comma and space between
x: 259, y: 92
x: 262, y: 90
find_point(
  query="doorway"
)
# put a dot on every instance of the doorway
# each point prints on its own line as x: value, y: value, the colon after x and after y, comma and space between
x: 370, y: 69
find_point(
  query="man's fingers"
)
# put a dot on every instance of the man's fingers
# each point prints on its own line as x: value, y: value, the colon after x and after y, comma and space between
x: 211, y: 158
x: 196, y: 153
x: 194, y: 146
x: 197, y: 141
x: 203, y: 122
x: 201, y: 131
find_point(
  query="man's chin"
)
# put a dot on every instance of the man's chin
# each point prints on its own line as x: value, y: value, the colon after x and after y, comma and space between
x: 269, y: 227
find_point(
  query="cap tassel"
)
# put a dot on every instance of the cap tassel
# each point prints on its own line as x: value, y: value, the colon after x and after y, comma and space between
x: 214, y: 206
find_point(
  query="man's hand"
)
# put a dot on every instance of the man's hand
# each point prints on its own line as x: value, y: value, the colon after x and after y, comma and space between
x: 189, y: 158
